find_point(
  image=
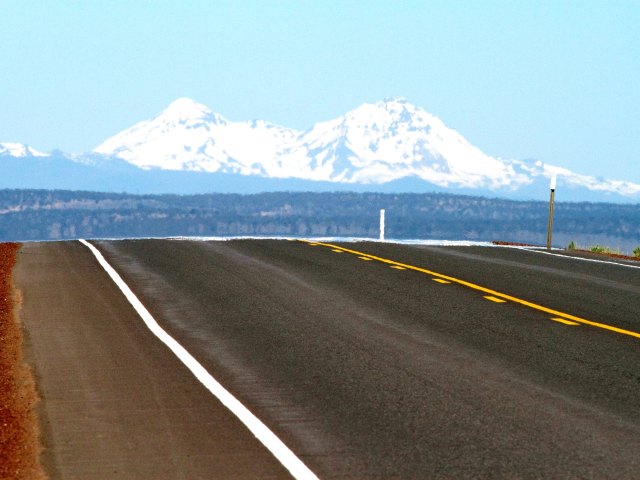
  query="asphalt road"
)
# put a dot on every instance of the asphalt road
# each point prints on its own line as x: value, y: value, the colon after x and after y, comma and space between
x: 367, y: 370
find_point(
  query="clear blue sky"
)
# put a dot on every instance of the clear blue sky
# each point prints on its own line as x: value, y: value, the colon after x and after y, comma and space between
x: 554, y: 80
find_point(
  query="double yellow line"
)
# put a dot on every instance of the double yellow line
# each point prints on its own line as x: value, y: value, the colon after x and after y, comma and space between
x: 559, y: 316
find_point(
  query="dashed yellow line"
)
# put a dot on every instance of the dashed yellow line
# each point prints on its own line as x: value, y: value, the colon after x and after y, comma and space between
x: 495, y: 299
x: 566, y: 322
x: 440, y: 280
x: 492, y: 293
x: 398, y: 267
x: 366, y: 259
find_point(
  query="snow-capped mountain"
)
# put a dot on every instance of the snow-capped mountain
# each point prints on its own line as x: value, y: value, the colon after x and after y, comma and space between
x: 537, y: 169
x: 387, y: 146
x: 189, y: 136
x: 375, y: 143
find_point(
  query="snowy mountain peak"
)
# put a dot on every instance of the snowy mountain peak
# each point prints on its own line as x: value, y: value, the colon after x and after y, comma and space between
x: 394, y: 103
x: 393, y: 115
x: 392, y: 139
x: 185, y: 110
x: 11, y: 149
x: 393, y: 106
x: 169, y: 141
x: 186, y: 104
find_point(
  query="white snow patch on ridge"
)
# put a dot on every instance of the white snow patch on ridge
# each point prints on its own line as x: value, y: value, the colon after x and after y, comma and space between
x: 11, y: 149
x: 569, y: 178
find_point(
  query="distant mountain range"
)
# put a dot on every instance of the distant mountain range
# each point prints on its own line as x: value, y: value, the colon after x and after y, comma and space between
x: 388, y: 146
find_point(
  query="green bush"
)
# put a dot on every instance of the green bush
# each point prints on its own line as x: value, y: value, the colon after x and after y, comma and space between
x: 572, y: 246
x: 602, y: 249
x: 636, y: 252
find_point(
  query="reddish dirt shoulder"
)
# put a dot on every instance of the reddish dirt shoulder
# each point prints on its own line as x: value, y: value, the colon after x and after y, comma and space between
x: 19, y: 449
x: 514, y: 244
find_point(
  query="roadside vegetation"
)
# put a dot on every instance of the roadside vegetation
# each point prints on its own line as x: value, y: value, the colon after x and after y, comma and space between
x: 604, y: 250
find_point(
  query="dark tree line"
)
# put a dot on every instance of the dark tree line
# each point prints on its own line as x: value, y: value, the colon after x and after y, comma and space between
x: 56, y: 215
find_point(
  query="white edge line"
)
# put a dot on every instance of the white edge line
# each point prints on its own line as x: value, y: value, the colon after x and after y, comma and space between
x: 582, y: 259
x: 279, y: 450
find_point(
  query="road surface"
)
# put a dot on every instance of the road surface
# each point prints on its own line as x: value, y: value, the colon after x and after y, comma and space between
x: 368, y: 360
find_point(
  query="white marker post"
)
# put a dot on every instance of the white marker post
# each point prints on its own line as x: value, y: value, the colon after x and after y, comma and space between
x: 551, y: 200
x: 382, y: 224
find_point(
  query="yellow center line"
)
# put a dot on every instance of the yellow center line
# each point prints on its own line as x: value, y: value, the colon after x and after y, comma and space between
x: 366, y: 259
x: 493, y: 293
x: 439, y: 280
x: 397, y: 267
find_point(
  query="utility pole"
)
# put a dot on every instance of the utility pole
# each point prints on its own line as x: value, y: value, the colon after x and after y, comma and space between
x: 381, y: 224
x: 551, y: 200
